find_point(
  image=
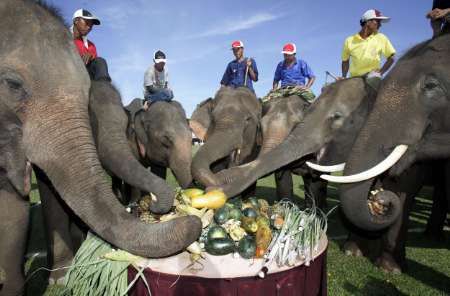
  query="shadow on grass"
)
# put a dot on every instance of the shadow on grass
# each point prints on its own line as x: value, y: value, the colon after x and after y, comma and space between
x: 373, y: 287
x: 428, y: 276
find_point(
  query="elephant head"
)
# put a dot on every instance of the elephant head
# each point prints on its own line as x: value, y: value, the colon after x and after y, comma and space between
x: 228, y: 123
x: 165, y: 138
x: 279, y: 117
x: 109, y: 124
x: 409, y: 122
x: 336, y: 115
x: 45, y: 84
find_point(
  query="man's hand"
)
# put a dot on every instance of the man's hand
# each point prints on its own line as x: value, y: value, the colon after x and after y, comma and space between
x: 87, y: 58
x: 249, y: 63
x: 438, y: 13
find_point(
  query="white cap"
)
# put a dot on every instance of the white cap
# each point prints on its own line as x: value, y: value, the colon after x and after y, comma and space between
x: 373, y: 14
x: 84, y: 14
x: 159, y: 57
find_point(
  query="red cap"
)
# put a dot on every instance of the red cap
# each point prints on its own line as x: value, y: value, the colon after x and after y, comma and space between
x: 237, y: 44
x: 289, y: 48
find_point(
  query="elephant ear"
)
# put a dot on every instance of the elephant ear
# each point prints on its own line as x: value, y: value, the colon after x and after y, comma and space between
x: 135, y: 126
x: 134, y: 107
x: 201, y: 118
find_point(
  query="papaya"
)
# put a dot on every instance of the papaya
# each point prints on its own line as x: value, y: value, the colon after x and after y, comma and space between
x: 191, y: 192
x: 213, y: 199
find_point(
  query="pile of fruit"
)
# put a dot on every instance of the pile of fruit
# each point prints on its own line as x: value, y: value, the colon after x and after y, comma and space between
x: 244, y: 227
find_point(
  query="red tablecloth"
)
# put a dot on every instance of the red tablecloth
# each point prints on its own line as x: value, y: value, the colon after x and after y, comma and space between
x: 297, y: 281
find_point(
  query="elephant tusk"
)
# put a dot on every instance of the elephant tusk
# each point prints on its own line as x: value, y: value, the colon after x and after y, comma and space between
x: 326, y: 168
x: 383, y: 166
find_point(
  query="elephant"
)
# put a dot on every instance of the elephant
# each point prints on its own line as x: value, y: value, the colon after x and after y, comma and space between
x: 279, y: 117
x: 229, y: 125
x: 160, y: 138
x: 409, y: 124
x: 56, y: 134
x: 15, y: 185
x: 329, y: 126
x: 108, y: 122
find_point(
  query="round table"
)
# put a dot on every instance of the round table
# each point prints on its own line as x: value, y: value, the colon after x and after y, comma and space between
x: 229, y: 276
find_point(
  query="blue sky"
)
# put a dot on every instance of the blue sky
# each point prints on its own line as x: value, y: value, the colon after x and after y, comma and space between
x: 196, y: 36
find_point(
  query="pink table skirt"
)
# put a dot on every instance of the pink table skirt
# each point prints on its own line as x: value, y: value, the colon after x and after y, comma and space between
x: 300, y: 280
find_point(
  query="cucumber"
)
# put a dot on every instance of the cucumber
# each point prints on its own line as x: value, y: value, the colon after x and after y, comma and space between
x: 236, y: 202
x: 220, y: 246
x: 235, y: 214
x: 215, y: 232
x: 254, y: 202
x: 222, y: 215
x: 247, y: 247
x: 250, y: 212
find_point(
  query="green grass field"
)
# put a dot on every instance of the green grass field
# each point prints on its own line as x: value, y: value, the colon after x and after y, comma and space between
x: 428, y: 262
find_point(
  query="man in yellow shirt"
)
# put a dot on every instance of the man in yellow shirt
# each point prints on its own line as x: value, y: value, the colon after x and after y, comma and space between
x: 362, y: 51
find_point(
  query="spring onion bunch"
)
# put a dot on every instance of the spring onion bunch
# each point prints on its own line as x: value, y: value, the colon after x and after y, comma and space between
x: 98, y: 269
x: 298, y: 237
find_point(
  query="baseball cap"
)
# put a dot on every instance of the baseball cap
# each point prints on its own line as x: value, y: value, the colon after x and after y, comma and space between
x: 237, y: 44
x: 373, y: 14
x: 159, y: 57
x: 83, y: 13
x: 289, y: 48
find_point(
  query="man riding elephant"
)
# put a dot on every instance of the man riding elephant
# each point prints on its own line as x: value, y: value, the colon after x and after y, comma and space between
x: 362, y: 51
x: 83, y: 21
x: 52, y: 112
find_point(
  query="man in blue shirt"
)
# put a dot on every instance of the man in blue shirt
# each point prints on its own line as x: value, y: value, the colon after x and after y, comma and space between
x: 241, y: 71
x: 293, y: 71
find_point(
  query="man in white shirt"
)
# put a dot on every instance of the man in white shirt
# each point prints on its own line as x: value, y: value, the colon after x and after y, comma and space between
x: 156, y: 80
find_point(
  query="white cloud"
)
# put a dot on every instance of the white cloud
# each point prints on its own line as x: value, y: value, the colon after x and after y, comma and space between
x: 232, y: 26
x: 118, y: 15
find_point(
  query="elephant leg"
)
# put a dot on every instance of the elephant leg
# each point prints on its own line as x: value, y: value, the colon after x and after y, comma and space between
x: 160, y: 171
x: 60, y: 248
x: 14, y: 211
x: 284, y: 184
x: 393, y: 241
x: 436, y: 221
x: 392, y: 258
x: 316, y: 189
x: 435, y: 224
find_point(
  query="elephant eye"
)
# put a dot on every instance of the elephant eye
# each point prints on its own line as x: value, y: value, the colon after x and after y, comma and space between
x: 337, y: 115
x: 14, y: 84
x: 431, y: 83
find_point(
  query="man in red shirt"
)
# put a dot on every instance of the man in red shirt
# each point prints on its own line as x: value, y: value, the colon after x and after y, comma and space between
x: 83, y: 21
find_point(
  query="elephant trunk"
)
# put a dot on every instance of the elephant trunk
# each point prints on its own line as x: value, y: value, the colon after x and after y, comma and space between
x: 180, y: 161
x: 298, y: 144
x: 357, y: 198
x: 59, y: 141
x: 219, y: 145
x: 109, y: 123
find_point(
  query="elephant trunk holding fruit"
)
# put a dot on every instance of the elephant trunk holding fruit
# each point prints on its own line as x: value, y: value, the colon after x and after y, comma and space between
x: 409, y: 122
x: 57, y: 136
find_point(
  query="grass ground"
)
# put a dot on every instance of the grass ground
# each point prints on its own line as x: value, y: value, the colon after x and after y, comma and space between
x: 428, y: 271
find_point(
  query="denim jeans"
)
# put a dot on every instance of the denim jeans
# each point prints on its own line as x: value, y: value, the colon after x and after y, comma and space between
x: 98, y: 69
x: 164, y: 94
